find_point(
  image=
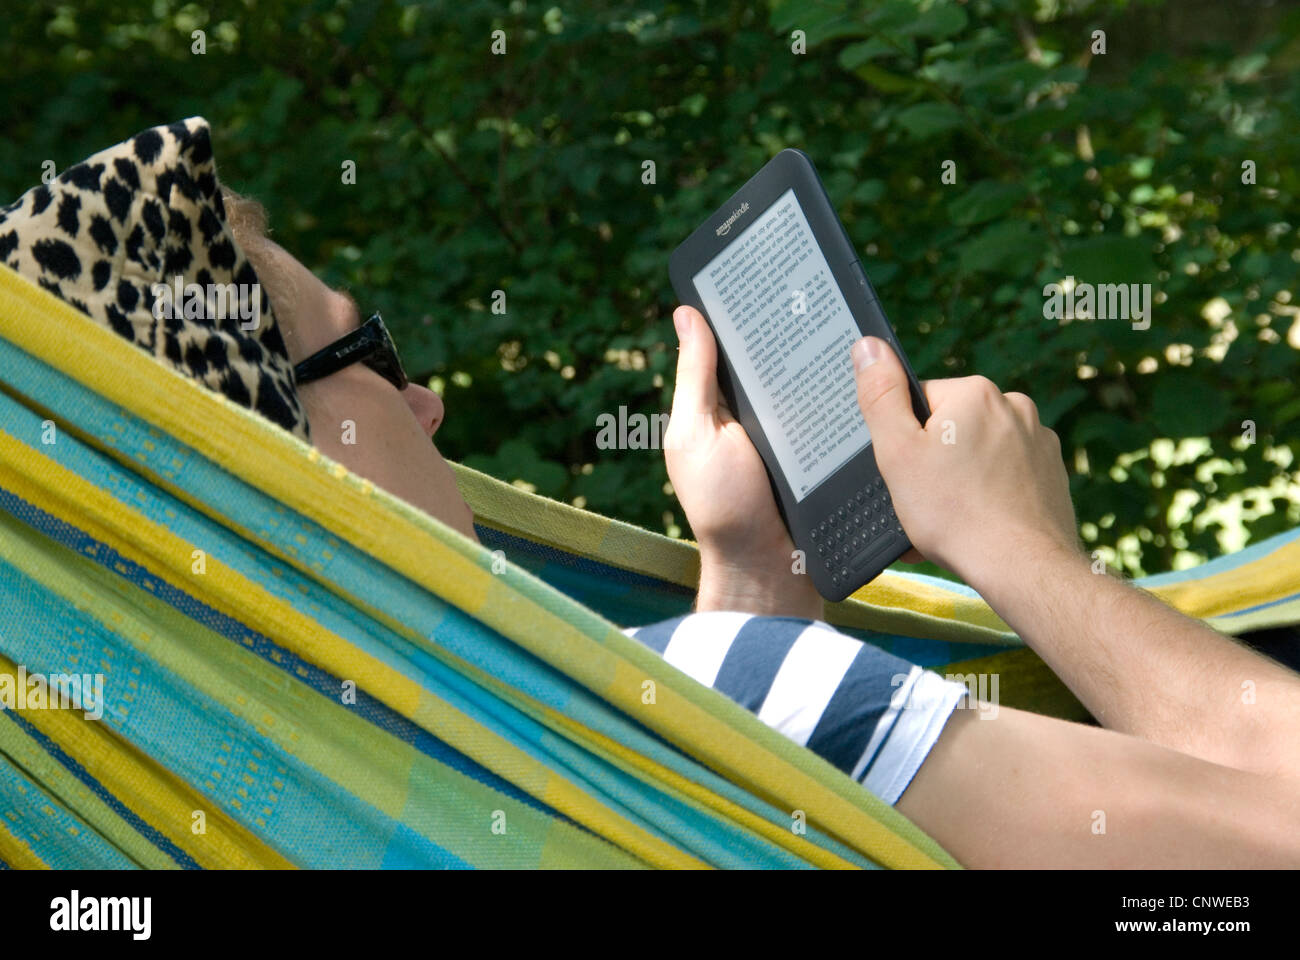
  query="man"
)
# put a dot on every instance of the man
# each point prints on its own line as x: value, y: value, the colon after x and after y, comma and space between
x: 1186, y: 773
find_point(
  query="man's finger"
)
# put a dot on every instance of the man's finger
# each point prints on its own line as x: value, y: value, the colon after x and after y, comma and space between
x: 696, y: 389
x: 939, y: 392
x: 883, y: 393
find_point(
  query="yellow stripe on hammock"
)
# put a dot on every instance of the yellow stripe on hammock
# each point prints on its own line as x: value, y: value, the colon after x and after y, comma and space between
x: 445, y: 563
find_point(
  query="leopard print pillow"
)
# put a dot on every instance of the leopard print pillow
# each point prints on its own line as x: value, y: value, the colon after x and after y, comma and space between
x: 106, y: 234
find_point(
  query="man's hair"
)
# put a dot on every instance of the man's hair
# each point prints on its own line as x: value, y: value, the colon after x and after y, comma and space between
x: 248, y: 223
x: 247, y: 218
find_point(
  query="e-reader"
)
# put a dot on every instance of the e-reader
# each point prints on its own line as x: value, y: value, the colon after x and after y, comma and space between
x: 779, y: 282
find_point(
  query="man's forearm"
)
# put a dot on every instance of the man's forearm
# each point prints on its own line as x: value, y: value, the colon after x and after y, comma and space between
x: 1143, y: 668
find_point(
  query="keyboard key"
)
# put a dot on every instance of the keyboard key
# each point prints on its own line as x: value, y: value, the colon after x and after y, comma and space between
x: 870, y: 555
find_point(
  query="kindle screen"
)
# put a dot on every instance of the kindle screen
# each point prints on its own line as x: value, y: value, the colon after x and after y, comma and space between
x: 786, y: 329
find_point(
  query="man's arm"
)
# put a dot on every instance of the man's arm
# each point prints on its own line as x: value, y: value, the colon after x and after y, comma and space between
x: 1015, y: 789
x: 981, y: 489
x: 1213, y: 781
x: 1143, y: 668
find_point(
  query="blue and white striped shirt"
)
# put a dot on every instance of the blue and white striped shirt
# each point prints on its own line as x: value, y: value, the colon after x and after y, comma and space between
x: 871, y: 714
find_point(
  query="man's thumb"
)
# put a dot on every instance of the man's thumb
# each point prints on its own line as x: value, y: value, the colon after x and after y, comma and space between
x: 883, y: 394
x: 696, y: 389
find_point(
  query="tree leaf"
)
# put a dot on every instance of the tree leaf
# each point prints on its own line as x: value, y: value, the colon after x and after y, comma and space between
x: 937, y: 23
x: 1110, y: 258
x: 1185, y: 404
x: 885, y: 81
x: 1011, y: 245
x: 856, y: 54
x: 926, y: 120
x: 985, y: 201
x: 1056, y: 405
x: 1111, y: 431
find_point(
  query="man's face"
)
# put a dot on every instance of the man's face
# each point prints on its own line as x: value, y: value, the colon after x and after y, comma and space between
x: 393, y: 429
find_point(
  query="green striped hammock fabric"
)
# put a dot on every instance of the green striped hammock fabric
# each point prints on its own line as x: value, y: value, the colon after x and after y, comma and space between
x: 299, y: 670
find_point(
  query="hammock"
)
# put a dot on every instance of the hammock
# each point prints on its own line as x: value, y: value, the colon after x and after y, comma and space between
x: 299, y: 670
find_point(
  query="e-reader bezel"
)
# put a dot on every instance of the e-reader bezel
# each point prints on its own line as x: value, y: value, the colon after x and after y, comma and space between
x: 792, y: 169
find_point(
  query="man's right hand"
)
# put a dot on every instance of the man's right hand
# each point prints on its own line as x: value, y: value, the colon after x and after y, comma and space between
x: 980, y: 487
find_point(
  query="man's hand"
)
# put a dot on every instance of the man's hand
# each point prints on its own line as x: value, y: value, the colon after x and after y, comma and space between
x: 980, y: 487
x: 746, y: 555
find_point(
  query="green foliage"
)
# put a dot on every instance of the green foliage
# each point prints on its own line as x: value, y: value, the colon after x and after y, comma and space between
x: 523, y: 173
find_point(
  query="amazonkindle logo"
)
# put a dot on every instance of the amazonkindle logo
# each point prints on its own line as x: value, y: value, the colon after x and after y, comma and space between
x: 726, y: 224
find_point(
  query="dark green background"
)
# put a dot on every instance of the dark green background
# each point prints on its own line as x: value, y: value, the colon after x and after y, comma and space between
x: 523, y: 173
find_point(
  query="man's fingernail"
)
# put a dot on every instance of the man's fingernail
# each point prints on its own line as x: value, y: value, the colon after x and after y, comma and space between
x: 865, y: 352
x: 682, y: 321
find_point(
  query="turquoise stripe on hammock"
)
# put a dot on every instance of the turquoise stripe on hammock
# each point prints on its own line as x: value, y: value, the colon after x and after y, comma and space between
x: 28, y: 809
x: 404, y: 601
x: 184, y: 730
x: 178, y: 856
x: 52, y: 749
x: 189, y: 708
x: 635, y: 600
x: 525, y: 732
x: 524, y: 670
x: 373, y: 710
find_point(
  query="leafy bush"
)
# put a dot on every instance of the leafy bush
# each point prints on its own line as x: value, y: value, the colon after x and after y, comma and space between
x: 525, y: 173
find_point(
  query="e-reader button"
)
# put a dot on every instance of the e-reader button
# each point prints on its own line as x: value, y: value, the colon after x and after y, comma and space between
x: 860, y: 275
x: 870, y: 554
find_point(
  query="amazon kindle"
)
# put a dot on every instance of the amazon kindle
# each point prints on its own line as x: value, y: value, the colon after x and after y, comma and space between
x: 776, y: 277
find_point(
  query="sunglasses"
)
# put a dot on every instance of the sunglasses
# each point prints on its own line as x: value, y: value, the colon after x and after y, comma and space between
x: 370, y: 344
